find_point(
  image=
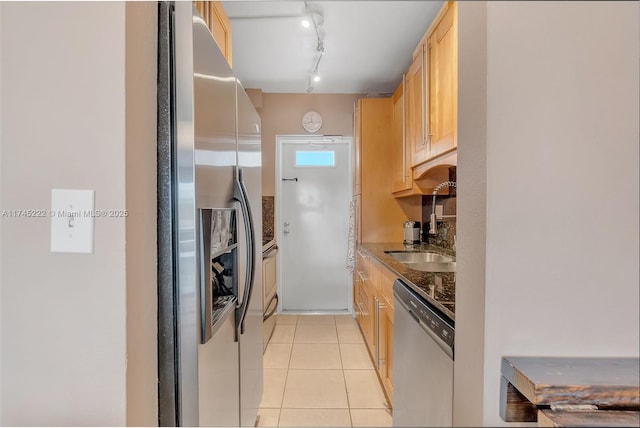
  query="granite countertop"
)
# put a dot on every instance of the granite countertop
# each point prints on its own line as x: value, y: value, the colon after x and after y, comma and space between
x: 438, y: 288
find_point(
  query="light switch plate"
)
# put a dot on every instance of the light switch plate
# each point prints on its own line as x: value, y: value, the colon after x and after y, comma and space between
x: 439, y: 211
x: 72, y: 221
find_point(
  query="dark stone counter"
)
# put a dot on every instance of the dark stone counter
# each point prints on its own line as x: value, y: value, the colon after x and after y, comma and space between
x: 438, y: 288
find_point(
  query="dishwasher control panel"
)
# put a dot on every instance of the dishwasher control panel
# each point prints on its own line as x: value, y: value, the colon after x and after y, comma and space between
x: 429, y: 318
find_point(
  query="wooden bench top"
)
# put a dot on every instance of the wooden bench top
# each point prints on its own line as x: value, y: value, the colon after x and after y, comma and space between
x: 530, y: 383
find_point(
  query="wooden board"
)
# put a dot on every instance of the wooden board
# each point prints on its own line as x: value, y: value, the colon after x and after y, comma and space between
x: 514, y: 407
x: 528, y: 382
x: 597, y: 418
x: 597, y: 381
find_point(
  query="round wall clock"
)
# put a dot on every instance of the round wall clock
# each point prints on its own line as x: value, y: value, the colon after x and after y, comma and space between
x: 311, y: 121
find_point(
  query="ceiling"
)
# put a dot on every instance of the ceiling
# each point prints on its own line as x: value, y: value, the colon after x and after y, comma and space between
x: 367, y: 44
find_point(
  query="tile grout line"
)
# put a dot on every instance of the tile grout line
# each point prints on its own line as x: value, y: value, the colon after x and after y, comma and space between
x: 293, y: 339
x: 286, y: 377
x: 344, y: 378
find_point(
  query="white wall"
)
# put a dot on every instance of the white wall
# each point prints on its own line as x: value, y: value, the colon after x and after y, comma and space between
x: 64, y: 124
x: 562, y: 183
x: 472, y: 213
x: 0, y: 218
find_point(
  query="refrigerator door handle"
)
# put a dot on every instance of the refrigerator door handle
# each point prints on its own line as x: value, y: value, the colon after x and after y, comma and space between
x: 240, y: 195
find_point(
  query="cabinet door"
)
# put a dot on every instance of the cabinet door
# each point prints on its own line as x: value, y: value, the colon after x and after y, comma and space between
x: 221, y: 30
x: 416, y: 124
x: 269, y: 279
x: 369, y: 288
x: 442, y: 55
x: 382, y: 216
x: 217, y: 21
x: 364, y: 297
x: 385, y: 369
x: 400, y: 153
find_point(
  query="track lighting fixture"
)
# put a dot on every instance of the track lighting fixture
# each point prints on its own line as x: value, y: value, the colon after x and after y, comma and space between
x: 310, y: 17
x: 317, y: 20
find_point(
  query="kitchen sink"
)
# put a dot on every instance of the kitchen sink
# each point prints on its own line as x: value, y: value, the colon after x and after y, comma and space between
x: 426, y: 261
x: 421, y: 257
x: 432, y: 266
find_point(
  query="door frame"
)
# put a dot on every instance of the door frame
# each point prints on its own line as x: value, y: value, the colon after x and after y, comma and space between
x: 281, y: 140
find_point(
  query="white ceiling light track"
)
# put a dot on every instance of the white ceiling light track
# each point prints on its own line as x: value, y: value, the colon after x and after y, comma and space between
x: 310, y: 17
x: 315, y: 18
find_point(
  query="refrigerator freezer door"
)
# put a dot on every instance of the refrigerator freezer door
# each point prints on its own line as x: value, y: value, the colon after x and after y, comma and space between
x: 215, y: 159
x: 214, y: 92
x: 250, y: 161
x: 218, y: 377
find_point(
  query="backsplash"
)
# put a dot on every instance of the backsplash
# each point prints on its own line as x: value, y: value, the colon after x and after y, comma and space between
x: 268, y: 217
x: 446, y: 226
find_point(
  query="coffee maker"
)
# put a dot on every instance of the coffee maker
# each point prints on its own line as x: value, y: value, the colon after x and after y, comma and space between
x: 411, y: 231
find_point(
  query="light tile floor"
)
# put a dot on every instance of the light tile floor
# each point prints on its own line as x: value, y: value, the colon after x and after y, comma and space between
x: 317, y: 372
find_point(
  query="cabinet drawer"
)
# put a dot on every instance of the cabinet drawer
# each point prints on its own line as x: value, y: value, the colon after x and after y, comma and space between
x: 365, y: 291
x: 362, y: 264
x: 387, y: 278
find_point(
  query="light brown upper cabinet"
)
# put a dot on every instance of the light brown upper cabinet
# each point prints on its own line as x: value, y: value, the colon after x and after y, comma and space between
x: 381, y: 216
x: 218, y: 22
x: 442, y: 54
x: 400, y: 151
x: 432, y: 90
x: 416, y: 118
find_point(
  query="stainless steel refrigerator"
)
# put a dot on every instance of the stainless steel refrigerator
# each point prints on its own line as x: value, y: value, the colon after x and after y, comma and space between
x: 209, y: 227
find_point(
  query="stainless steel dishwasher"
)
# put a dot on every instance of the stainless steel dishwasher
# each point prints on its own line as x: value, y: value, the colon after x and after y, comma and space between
x: 423, y: 362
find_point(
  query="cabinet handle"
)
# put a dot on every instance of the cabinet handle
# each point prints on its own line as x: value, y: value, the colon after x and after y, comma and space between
x: 376, y: 334
x: 422, y: 93
x: 404, y: 130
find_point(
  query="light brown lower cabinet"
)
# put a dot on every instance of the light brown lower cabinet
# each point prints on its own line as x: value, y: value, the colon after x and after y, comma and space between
x: 363, y: 297
x: 385, y: 368
x: 373, y: 302
x: 361, y: 300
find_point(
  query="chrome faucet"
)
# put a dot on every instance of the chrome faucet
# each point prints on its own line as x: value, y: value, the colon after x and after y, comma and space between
x: 432, y: 220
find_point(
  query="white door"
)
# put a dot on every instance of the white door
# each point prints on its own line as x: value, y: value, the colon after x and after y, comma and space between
x: 314, y: 194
